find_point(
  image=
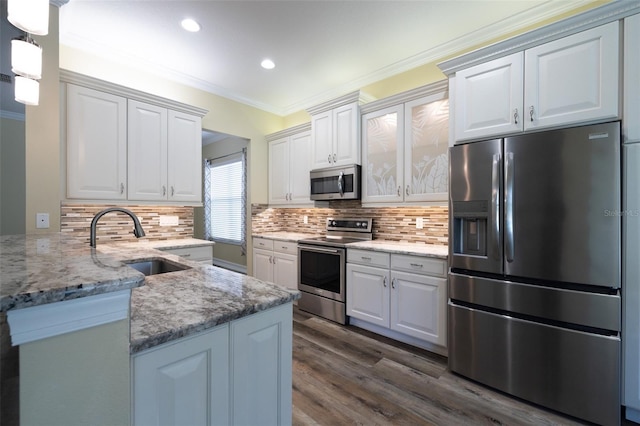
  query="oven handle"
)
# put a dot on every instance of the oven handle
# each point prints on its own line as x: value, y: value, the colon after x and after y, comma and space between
x: 320, y: 250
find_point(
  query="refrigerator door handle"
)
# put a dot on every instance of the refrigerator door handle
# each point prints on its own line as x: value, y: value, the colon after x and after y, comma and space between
x: 495, y: 204
x: 508, y: 206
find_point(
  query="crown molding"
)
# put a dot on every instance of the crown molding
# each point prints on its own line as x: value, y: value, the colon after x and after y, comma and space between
x: 306, y: 127
x: 605, y: 14
x: 58, y: 3
x: 438, y: 88
x: 72, y: 77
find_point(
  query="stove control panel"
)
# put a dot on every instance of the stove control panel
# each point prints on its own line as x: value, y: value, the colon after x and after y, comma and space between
x: 354, y: 225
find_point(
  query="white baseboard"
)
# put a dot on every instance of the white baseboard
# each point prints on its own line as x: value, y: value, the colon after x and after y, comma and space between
x: 236, y: 267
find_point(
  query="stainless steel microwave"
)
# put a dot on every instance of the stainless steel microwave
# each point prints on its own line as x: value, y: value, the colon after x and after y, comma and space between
x: 336, y: 183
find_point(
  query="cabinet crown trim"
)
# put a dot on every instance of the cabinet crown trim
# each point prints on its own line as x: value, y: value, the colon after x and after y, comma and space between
x: 288, y: 132
x: 356, y: 96
x: 72, y: 77
x: 409, y: 95
x: 584, y: 21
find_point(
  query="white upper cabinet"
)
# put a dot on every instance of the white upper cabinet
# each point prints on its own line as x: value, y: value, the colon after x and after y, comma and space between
x: 426, y: 149
x: 127, y: 145
x: 631, y: 122
x: 184, y: 157
x: 573, y: 79
x: 164, y: 154
x: 382, y: 151
x: 405, y: 150
x: 96, y: 131
x: 488, y: 98
x: 289, y: 165
x: 335, y: 132
x: 147, y: 150
x: 567, y: 81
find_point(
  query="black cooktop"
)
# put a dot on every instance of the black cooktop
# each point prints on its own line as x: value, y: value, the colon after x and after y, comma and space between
x: 330, y: 241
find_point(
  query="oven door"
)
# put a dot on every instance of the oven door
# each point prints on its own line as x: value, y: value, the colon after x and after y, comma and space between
x: 321, y: 271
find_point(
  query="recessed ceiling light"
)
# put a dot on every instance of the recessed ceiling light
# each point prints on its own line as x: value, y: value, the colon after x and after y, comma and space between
x: 190, y: 25
x: 267, y: 64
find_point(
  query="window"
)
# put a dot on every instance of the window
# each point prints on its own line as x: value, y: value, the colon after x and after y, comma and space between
x: 225, y: 189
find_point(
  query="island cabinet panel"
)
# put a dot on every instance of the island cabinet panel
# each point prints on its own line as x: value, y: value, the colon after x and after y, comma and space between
x: 183, y: 382
x: 261, y: 359
x: 96, y: 144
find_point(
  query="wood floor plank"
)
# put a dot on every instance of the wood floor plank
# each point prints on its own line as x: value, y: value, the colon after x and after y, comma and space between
x: 343, y: 376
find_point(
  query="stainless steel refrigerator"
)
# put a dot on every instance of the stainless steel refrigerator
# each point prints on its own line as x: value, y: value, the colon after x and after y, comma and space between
x: 535, y: 268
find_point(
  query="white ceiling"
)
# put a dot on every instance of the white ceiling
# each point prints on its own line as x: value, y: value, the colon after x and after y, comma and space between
x: 322, y: 49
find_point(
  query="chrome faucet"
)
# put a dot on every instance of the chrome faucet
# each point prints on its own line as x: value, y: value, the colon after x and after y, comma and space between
x: 137, y: 228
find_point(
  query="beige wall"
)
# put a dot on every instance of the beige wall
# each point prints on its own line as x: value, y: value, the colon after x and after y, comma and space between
x: 94, y: 392
x: 42, y: 137
x: 12, y: 177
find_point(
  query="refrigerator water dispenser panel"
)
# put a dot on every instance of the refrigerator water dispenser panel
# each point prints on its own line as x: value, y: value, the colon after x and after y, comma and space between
x: 470, y: 228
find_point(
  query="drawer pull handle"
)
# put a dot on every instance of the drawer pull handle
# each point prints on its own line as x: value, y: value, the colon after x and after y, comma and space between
x: 186, y: 255
x: 417, y: 265
x: 365, y: 258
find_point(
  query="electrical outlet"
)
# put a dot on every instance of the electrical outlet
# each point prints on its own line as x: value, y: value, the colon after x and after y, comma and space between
x: 305, y: 219
x: 419, y: 223
x: 169, y: 220
x: 42, y: 220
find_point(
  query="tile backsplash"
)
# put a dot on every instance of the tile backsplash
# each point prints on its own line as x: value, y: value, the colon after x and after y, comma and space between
x: 75, y: 220
x: 389, y: 223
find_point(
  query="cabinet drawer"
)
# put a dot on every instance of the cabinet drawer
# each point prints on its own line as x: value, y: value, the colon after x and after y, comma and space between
x: 368, y: 257
x: 285, y: 247
x: 197, y: 254
x: 263, y: 243
x: 419, y: 265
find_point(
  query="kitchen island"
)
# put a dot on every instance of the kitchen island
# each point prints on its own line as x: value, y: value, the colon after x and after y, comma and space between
x: 92, y: 364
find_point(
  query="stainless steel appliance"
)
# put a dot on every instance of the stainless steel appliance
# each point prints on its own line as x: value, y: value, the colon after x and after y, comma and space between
x: 534, y: 284
x: 336, y: 183
x: 322, y: 265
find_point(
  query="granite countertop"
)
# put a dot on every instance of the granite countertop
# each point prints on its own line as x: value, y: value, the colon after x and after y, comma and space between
x: 285, y: 236
x: 177, y: 304
x: 403, y: 247
x: 46, y: 268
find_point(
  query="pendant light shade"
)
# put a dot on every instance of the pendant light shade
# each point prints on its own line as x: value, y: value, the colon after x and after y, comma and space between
x: 27, y: 90
x: 26, y: 58
x: 31, y: 16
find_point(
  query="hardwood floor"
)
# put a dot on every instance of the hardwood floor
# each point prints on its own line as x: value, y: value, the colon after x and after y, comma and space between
x: 345, y: 375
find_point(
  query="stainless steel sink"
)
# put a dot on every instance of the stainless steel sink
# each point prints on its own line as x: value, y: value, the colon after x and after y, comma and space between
x: 156, y: 266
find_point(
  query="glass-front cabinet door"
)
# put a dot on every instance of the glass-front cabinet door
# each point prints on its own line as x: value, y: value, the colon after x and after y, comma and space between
x: 426, y: 161
x: 382, y: 152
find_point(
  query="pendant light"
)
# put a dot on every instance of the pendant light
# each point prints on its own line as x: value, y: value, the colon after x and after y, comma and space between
x: 27, y: 90
x: 26, y: 57
x: 31, y: 16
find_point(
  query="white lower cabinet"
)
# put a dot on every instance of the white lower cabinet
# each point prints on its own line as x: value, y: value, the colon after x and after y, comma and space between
x: 236, y: 373
x: 202, y: 254
x: 276, y: 262
x: 402, y: 293
x: 184, y: 382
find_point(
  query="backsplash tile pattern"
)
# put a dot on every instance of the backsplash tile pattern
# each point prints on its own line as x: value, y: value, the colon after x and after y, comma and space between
x: 75, y: 220
x: 389, y: 223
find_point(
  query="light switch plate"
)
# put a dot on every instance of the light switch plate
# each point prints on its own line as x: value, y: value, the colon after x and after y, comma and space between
x: 169, y: 220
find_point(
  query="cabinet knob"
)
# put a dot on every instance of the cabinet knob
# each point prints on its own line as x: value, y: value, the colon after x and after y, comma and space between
x: 531, y: 112
x: 335, y: 158
x: 407, y: 190
x: 393, y: 283
x: 399, y: 191
x: 329, y: 158
x: 122, y: 188
x: 173, y: 191
x: 384, y: 281
x: 164, y: 190
x: 515, y: 116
